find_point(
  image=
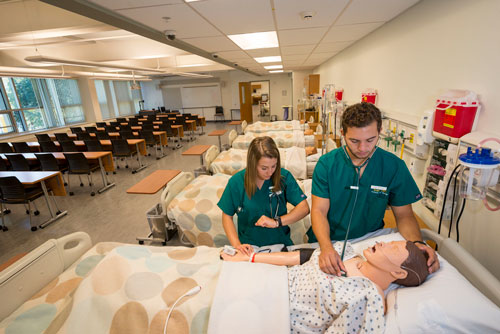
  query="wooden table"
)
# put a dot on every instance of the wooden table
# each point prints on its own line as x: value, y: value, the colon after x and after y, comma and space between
x: 154, y: 182
x: 236, y: 123
x: 313, y: 126
x: 53, y: 180
x: 197, y: 150
x: 201, y: 121
x: 319, y: 140
x: 218, y: 133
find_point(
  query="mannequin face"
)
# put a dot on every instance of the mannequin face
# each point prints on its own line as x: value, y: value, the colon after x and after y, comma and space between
x: 361, y: 141
x: 266, y: 167
x: 387, y: 256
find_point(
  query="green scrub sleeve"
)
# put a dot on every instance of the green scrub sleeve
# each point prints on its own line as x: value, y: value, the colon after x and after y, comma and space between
x: 231, y: 197
x: 320, y: 179
x: 404, y: 190
x: 293, y: 194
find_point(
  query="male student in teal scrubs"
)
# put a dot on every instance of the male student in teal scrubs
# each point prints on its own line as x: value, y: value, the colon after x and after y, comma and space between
x: 355, y: 183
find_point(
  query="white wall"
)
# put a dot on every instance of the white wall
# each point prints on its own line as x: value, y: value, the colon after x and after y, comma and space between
x: 434, y: 46
x: 152, y: 94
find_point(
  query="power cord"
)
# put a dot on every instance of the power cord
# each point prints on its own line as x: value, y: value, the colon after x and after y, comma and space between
x: 191, y: 292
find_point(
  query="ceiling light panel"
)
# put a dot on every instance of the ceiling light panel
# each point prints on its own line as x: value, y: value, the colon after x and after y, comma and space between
x: 271, y: 59
x: 276, y: 71
x: 273, y: 67
x: 256, y: 40
x: 250, y: 16
x: 288, y: 13
x: 264, y: 52
x: 374, y: 11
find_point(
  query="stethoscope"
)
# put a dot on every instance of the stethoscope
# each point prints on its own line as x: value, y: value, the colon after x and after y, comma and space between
x: 271, y: 195
x: 356, y: 188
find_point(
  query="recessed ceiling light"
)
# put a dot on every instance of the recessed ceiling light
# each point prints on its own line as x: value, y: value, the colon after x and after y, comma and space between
x: 272, y: 59
x: 256, y: 40
x: 276, y: 71
x: 273, y: 67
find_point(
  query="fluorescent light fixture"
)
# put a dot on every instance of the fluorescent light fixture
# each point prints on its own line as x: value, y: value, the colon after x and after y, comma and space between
x: 272, y: 59
x: 273, y: 67
x: 276, y: 71
x: 256, y: 40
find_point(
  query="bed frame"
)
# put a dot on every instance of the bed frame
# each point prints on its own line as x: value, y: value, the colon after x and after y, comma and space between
x: 210, y: 155
x: 34, y: 271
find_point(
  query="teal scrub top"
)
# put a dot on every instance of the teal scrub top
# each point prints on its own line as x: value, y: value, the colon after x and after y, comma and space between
x: 235, y: 200
x: 385, y: 181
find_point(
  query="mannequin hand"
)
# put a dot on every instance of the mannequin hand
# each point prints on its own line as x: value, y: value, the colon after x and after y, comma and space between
x: 246, y: 249
x: 265, y: 221
x: 432, y: 262
x: 238, y: 257
x: 330, y: 263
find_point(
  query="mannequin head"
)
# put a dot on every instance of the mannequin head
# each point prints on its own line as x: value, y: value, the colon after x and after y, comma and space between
x: 263, y: 157
x: 398, y: 261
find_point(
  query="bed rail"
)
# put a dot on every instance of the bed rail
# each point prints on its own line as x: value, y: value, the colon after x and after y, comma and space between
x: 232, y: 136
x: 210, y: 155
x: 174, y: 187
x: 468, y: 266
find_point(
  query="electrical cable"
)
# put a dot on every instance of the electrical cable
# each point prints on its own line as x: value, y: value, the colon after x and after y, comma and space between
x: 191, y: 292
x: 452, y: 205
x: 444, y: 199
x: 459, y: 216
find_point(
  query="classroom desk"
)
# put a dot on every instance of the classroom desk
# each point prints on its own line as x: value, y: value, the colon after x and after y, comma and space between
x: 191, y: 123
x: 197, y: 150
x: 105, y: 160
x: 236, y: 123
x: 162, y: 137
x: 138, y: 144
x: 201, y: 122
x: 218, y: 133
x: 154, y: 182
x: 53, y: 180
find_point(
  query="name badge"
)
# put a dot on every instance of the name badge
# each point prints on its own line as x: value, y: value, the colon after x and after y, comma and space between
x: 379, y: 188
x: 354, y: 187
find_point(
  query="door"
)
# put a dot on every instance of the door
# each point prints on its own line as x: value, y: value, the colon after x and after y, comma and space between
x: 245, y: 89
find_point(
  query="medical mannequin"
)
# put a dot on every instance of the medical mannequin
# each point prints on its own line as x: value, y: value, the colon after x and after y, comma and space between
x: 354, y: 184
x: 259, y: 195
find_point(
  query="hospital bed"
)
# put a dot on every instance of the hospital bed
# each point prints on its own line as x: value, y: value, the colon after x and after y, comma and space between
x: 68, y: 286
x: 283, y: 139
x: 259, y: 127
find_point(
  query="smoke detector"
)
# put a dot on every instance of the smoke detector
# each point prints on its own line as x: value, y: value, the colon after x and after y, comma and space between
x: 307, y: 15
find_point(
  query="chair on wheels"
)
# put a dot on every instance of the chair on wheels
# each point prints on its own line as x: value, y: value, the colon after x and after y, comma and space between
x: 79, y: 165
x: 94, y: 145
x: 12, y: 191
x: 151, y: 141
x: 19, y: 163
x: 42, y: 137
x: 219, y: 112
x: 102, y: 135
x: 91, y: 129
x: 21, y: 147
x: 121, y: 149
x: 49, y: 146
x: 68, y: 146
x: 101, y: 124
x: 6, y: 148
x: 76, y: 130
x: 49, y: 163
x: 83, y: 136
x: 127, y: 135
x: 62, y: 137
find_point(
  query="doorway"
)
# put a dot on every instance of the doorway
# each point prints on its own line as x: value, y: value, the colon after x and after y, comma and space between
x: 261, y: 100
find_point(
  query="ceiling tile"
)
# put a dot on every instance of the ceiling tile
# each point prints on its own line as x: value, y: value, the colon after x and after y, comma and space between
x: 320, y: 56
x: 363, y: 11
x: 184, y: 20
x: 264, y: 52
x: 301, y: 36
x: 237, y: 16
x: 297, y: 50
x: 325, y: 12
x: 332, y: 47
x: 350, y: 32
x: 122, y: 4
x: 295, y: 57
x: 213, y: 44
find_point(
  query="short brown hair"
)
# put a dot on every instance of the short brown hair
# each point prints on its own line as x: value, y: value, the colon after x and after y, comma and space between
x: 415, y: 265
x: 261, y: 147
x: 360, y: 115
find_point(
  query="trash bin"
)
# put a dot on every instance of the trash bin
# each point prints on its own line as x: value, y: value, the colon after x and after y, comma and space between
x: 162, y: 230
x: 286, y: 111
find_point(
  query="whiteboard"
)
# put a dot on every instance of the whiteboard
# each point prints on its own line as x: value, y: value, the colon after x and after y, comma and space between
x: 201, y: 96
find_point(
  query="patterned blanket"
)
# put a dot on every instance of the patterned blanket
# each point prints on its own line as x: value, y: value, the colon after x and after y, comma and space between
x: 259, y: 127
x: 283, y: 139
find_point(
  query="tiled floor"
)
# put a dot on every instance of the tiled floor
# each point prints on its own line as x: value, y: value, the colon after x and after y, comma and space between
x: 111, y: 216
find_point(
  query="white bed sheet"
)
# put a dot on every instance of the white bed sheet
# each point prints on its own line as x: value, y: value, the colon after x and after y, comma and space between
x: 283, y: 139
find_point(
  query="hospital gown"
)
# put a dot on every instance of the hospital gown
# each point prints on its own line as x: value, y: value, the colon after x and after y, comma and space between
x: 322, y: 303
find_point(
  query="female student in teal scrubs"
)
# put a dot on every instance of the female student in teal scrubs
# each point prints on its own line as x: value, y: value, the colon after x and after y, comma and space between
x: 259, y: 195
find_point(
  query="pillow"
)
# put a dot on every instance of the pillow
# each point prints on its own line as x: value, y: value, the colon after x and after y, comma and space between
x: 446, y: 302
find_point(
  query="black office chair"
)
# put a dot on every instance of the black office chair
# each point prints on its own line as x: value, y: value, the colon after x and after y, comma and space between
x: 49, y: 163
x: 18, y: 162
x: 6, y: 148
x: 76, y: 130
x: 151, y: 141
x: 101, y: 124
x: 83, y: 136
x: 91, y: 129
x: 68, y: 146
x: 127, y: 135
x: 62, y: 136
x: 133, y: 122
x: 94, y: 145
x: 121, y: 120
x: 49, y: 146
x: 115, y: 124
x: 12, y: 191
x: 3, y: 165
x: 219, y: 112
x: 42, y: 137
x: 79, y: 165
x: 147, y: 127
x: 122, y: 150
x: 125, y: 128
x: 21, y: 147
x: 102, y: 136
x: 111, y: 128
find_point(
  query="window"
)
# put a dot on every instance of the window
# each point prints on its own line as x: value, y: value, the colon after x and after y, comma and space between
x: 102, y: 98
x: 117, y: 98
x: 28, y: 104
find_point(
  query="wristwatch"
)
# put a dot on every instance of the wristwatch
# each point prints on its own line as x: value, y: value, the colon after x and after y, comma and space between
x: 278, y: 220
